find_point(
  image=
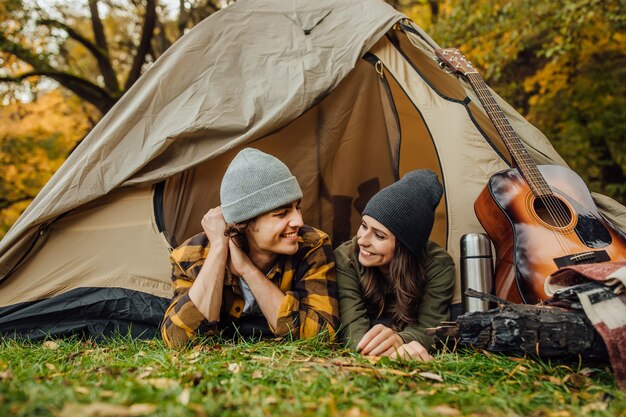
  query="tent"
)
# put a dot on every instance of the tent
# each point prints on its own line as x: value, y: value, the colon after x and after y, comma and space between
x: 346, y: 93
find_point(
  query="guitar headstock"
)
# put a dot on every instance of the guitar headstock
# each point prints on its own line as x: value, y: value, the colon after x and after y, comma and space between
x: 455, y: 60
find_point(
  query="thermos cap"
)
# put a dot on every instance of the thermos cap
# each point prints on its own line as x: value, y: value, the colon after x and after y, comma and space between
x: 475, y: 244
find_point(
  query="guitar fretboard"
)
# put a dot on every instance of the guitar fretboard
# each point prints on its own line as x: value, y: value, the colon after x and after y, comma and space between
x: 524, y: 161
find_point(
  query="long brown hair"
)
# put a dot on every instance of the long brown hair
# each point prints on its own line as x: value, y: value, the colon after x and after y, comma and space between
x: 407, y: 279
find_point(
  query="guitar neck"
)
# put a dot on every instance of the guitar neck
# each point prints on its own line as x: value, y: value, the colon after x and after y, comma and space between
x: 513, y: 143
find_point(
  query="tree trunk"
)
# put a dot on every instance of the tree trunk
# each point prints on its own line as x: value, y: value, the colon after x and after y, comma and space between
x: 549, y: 332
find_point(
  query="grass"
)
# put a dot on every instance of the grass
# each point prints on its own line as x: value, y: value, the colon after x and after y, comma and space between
x: 127, y: 377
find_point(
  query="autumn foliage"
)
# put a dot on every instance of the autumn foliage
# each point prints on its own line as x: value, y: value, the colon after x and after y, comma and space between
x: 561, y: 64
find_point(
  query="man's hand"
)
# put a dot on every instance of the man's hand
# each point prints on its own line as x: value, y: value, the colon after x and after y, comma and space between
x: 380, y: 340
x: 206, y: 291
x: 238, y: 262
x: 413, y: 350
x: 214, y: 225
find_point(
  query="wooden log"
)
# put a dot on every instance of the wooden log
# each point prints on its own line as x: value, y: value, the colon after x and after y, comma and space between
x: 548, y: 332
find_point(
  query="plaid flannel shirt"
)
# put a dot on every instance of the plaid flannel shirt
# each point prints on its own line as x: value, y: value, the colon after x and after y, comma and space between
x: 307, y: 278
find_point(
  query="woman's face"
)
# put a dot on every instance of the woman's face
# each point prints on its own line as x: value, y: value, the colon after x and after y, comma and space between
x: 276, y: 232
x: 376, y: 243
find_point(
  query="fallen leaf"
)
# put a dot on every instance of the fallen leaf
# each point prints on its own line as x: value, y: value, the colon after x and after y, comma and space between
x: 597, y: 406
x: 577, y: 380
x: 234, y: 368
x: 373, y: 359
x: 396, y: 372
x: 354, y: 412
x: 518, y: 368
x: 81, y: 390
x: 184, y: 397
x: 342, y: 362
x: 257, y: 374
x: 361, y: 369
x: 560, y: 413
x: 6, y: 375
x: 106, y: 410
x: 105, y: 393
x: 198, y: 409
x: 51, y: 366
x: 174, y: 359
x: 555, y: 380
x: 50, y: 344
x: 270, y: 400
x: 430, y: 375
x: 141, y: 409
x: 161, y: 383
x: 446, y: 410
x: 426, y: 393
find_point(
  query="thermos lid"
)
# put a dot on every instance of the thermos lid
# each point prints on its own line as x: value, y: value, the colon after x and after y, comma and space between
x: 475, y: 244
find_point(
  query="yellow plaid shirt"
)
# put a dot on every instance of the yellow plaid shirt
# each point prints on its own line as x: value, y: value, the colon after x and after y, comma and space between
x: 307, y: 278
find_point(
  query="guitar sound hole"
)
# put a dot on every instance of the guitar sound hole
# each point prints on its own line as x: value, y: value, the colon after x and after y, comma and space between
x: 552, y: 211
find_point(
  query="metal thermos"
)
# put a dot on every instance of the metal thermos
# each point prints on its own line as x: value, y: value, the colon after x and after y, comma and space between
x: 476, y: 269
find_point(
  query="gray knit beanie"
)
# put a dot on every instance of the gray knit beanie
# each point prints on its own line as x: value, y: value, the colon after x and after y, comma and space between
x: 407, y: 208
x: 255, y: 183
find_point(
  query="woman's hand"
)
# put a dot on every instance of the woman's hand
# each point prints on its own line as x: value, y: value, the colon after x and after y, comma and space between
x: 380, y: 340
x: 413, y: 350
x: 214, y: 225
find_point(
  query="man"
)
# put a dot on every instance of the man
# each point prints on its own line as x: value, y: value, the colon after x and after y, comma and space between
x: 256, y: 267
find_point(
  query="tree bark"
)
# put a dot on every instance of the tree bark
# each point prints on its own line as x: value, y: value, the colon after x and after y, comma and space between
x: 548, y: 332
x: 102, y: 54
x: 144, y: 45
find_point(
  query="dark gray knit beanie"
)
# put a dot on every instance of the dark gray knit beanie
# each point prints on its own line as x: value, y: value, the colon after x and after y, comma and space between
x: 407, y: 208
x: 255, y: 183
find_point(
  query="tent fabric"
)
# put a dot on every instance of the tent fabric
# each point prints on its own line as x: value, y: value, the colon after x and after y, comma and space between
x: 258, y: 64
x: 346, y: 93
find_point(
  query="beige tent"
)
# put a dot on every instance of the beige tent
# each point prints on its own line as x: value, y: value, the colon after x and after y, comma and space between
x: 347, y: 93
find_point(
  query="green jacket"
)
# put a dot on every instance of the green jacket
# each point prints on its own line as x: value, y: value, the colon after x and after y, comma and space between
x: 434, y: 308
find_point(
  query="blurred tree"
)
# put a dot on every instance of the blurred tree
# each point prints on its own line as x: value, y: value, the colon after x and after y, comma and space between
x: 562, y: 65
x: 95, y: 48
x: 35, y: 139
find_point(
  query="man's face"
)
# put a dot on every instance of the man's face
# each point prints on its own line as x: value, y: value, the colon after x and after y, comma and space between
x: 276, y: 232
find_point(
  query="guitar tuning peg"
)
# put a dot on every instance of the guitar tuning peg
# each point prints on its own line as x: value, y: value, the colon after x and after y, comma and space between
x: 444, y: 67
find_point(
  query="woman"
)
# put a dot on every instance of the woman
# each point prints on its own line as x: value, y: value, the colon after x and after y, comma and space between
x: 393, y: 282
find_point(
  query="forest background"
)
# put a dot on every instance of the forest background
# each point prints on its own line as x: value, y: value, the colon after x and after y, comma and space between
x: 64, y: 64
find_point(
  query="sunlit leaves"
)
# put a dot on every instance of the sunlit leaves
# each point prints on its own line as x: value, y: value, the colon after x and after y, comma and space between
x: 35, y: 139
x: 561, y: 64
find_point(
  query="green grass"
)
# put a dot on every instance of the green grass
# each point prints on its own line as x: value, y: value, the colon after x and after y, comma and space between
x: 126, y: 377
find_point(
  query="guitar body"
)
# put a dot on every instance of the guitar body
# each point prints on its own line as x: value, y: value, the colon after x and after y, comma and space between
x: 531, y: 241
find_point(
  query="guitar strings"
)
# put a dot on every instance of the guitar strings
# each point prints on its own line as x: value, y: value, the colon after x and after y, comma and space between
x: 553, y: 205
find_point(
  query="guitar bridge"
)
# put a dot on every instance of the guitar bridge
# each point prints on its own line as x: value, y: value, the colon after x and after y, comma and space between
x: 589, y: 257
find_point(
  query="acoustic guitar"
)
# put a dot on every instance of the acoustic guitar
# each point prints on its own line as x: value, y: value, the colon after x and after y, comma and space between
x: 539, y: 217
